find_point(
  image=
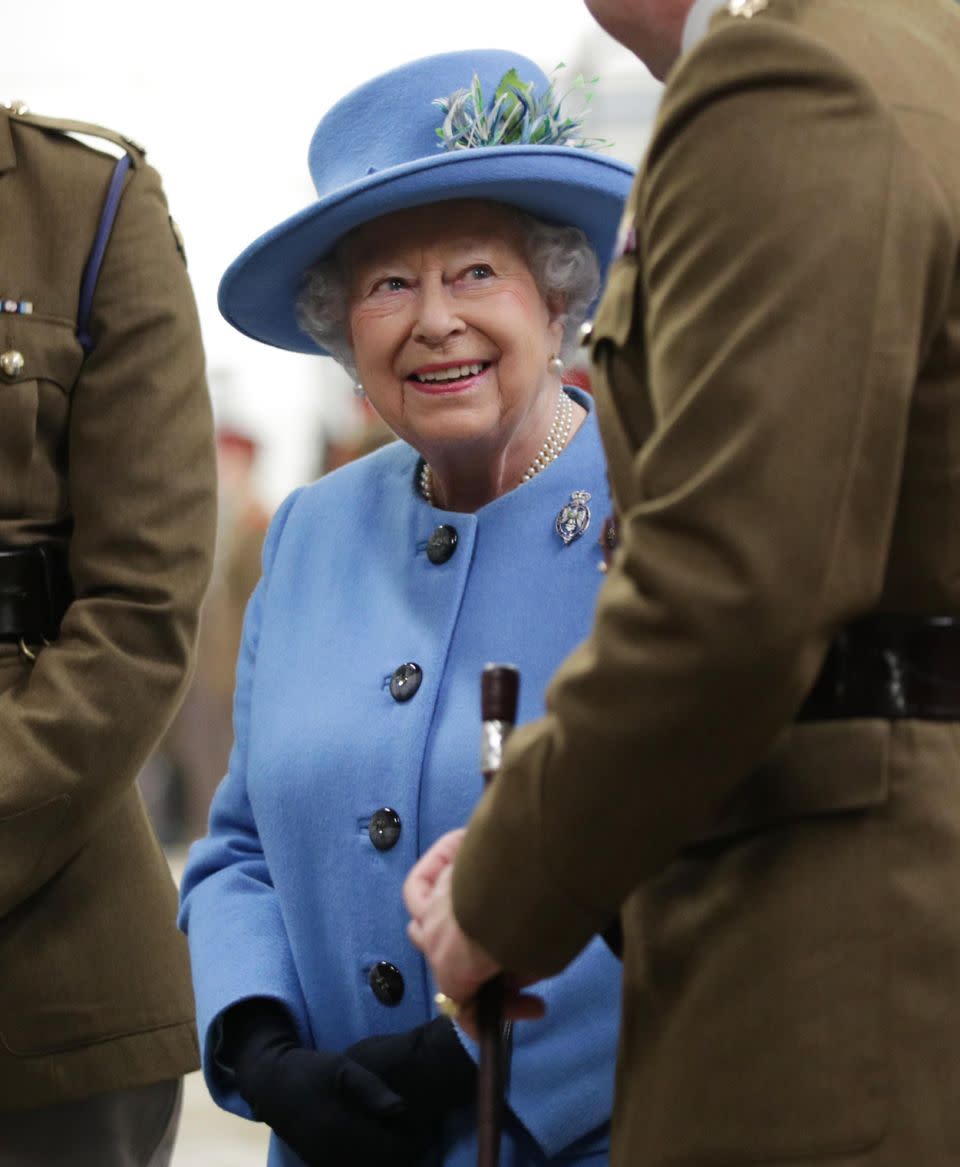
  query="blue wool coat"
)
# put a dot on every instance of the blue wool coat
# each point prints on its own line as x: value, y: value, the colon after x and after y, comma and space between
x: 287, y: 897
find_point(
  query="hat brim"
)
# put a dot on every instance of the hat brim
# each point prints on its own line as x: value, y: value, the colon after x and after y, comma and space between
x: 560, y: 184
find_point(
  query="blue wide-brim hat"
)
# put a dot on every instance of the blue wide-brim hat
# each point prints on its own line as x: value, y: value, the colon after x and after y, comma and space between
x: 377, y: 151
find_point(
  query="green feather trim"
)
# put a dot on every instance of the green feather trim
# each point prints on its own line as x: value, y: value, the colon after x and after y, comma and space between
x: 515, y: 116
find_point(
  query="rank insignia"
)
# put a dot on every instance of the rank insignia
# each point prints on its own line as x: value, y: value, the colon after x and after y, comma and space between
x: 747, y: 8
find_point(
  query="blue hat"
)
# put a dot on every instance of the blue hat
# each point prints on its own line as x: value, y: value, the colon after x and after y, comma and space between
x: 378, y: 151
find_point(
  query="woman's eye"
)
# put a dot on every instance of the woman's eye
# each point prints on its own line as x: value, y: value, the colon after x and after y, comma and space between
x: 480, y: 271
x: 390, y: 284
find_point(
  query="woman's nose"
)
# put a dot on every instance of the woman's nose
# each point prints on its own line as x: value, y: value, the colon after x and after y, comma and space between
x: 437, y: 315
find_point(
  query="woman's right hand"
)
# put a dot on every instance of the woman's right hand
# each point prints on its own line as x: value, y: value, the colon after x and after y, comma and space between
x: 326, y: 1107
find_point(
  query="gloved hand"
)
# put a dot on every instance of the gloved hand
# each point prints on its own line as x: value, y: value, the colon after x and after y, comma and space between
x: 427, y: 1066
x: 329, y: 1109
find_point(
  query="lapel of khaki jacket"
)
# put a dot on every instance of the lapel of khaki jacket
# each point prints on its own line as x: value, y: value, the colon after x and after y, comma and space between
x: 8, y: 155
x: 626, y: 420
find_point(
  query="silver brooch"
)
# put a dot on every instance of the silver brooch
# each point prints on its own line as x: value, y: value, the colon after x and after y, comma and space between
x: 574, y: 516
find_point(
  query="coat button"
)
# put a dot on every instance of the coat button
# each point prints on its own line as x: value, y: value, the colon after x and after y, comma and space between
x: 387, y: 983
x: 12, y: 362
x: 384, y: 828
x: 442, y: 543
x: 405, y: 681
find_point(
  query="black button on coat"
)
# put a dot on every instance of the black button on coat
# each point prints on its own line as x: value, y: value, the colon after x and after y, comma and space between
x: 442, y: 543
x: 386, y: 980
x: 405, y: 681
x: 384, y: 828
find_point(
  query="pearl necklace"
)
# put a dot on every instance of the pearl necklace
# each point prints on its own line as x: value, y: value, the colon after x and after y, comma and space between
x: 552, y: 448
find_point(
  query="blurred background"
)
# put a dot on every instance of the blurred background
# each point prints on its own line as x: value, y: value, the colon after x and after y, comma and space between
x: 225, y: 98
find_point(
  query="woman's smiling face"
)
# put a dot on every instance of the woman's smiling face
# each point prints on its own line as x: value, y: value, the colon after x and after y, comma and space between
x: 450, y: 334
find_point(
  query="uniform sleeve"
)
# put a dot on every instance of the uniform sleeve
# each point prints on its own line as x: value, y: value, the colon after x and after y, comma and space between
x: 77, y: 728
x: 229, y: 910
x: 796, y: 257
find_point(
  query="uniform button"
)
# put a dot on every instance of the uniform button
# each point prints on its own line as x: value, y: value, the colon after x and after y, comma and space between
x: 387, y: 983
x: 12, y: 362
x: 405, y: 681
x: 442, y: 543
x: 384, y: 828
x: 586, y: 332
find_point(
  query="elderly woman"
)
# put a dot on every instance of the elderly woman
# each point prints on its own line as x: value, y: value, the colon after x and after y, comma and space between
x: 450, y: 276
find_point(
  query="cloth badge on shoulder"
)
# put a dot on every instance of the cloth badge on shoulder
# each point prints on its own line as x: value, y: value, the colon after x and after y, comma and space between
x: 626, y: 236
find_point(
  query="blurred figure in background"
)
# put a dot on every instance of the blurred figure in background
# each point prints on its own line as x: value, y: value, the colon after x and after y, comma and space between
x: 196, y: 749
x: 368, y: 433
x: 107, y: 498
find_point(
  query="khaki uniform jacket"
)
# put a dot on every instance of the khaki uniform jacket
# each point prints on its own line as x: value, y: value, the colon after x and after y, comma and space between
x: 778, y: 366
x: 112, y: 455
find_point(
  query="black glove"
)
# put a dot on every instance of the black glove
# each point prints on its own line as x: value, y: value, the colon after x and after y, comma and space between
x: 427, y: 1066
x: 327, y: 1108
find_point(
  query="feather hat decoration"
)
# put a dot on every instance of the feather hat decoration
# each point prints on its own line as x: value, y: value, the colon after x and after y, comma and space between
x: 517, y: 115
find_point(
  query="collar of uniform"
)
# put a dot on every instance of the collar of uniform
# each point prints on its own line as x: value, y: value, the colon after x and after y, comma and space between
x: 8, y: 156
x: 698, y: 21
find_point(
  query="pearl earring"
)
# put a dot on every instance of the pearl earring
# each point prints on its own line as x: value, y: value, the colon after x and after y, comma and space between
x: 359, y: 391
x: 555, y: 365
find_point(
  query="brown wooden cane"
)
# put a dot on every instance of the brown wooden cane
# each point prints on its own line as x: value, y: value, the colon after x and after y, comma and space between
x: 499, y: 689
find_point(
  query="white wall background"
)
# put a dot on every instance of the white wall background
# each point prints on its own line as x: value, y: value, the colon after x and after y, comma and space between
x: 225, y: 97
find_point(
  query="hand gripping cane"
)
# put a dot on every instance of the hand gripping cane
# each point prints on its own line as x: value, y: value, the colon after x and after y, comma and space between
x: 499, y: 689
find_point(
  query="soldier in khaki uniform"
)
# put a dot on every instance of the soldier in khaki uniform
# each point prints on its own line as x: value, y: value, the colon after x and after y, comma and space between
x: 107, y: 511
x: 755, y: 758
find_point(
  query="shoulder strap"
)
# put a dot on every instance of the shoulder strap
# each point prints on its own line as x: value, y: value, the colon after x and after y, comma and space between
x: 91, y: 272
x: 132, y: 156
x: 19, y: 112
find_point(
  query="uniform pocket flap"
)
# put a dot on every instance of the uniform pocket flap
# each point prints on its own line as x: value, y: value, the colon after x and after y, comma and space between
x: 49, y: 349
x: 816, y: 768
x: 24, y: 837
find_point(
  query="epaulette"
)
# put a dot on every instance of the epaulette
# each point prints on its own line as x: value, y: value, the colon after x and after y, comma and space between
x: 19, y: 112
x: 131, y: 155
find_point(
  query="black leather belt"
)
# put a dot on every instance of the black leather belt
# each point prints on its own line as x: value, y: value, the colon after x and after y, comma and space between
x: 890, y: 667
x: 35, y: 591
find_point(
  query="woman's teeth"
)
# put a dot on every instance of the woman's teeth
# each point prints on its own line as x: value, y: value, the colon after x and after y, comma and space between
x: 455, y: 373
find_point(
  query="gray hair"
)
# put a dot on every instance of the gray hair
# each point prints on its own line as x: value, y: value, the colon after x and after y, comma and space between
x: 561, y: 260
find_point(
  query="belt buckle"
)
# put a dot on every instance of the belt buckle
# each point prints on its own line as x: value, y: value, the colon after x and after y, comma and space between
x: 26, y: 584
